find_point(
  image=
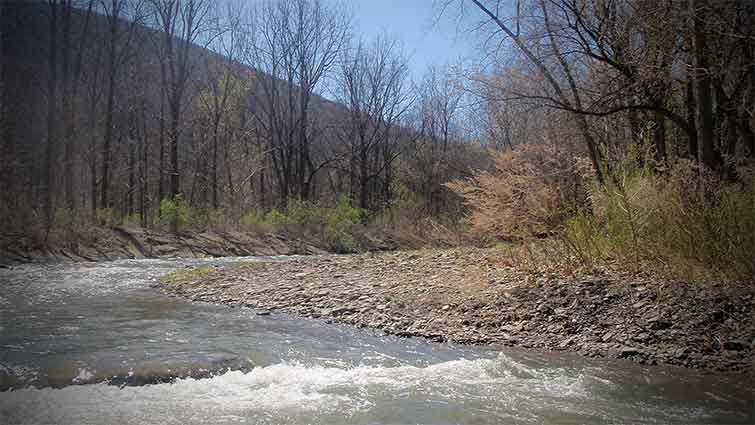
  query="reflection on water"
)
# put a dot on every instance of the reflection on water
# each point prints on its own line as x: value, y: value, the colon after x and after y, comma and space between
x: 105, y: 322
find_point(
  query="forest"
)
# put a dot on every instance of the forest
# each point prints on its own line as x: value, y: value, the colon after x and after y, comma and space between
x: 613, y: 131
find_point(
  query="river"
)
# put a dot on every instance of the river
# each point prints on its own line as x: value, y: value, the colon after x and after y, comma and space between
x: 99, y: 343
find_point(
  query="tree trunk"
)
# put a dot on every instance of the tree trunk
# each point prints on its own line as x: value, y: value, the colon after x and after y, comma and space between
x: 702, y: 89
x: 161, y: 138
x: 6, y: 146
x: 214, y: 177
x: 363, y: 180
x: 131, y: 177
x: 144, y: 174
x: 174, y: 176
x: 51, y: 115
x: 732, y: 137
x: 748, y: 135
x: 93, y: 155
x: 692, y: 116
x: 107, y: 145
x: 68, y: 121
x: 175, y: 182
x: 263, y: 200
x: 659, y: 137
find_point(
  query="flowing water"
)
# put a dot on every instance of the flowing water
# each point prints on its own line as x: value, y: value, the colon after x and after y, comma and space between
x: 98, y: 343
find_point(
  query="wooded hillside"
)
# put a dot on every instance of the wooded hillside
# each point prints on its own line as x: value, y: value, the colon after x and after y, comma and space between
x: 112, y: 108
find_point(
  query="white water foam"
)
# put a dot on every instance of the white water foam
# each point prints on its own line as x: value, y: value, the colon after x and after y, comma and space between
x: 291, y: 391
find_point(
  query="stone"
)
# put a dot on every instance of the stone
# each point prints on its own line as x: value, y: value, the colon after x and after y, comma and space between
x: 625, y: 352
x: 659, y: 325
x: 734, y: 345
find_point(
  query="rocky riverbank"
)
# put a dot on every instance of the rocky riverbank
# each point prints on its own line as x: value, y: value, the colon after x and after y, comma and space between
x: 474, y: 296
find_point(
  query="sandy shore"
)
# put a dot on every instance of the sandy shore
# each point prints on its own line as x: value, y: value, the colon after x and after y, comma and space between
x: 473, y: 296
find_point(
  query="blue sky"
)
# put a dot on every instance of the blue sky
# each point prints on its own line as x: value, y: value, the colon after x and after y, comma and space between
x: 412, y: 22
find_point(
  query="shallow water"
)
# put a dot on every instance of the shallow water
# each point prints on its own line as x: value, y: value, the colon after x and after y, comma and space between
x: 63, y: 326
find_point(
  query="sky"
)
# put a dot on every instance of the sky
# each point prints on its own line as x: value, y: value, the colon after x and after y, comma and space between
x: 412, y: 22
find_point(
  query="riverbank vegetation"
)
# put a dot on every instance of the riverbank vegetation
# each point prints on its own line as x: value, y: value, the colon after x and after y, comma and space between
x: 604, y: 134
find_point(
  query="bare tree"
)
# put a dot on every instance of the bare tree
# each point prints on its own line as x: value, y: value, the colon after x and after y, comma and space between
x: 5, y: 142
x: 372, y: 83
x: 224, y: 85
x: 294, y: 43
x: 52, y: 118
x: 182, y: 23
x: 71, y: 78
x: 439, y: 106
x: 120, y: 35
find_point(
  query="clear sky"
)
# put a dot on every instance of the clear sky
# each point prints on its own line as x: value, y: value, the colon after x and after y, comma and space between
x: 412, y: 22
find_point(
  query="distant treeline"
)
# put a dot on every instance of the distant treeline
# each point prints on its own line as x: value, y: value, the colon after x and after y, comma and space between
x: 112, y: 108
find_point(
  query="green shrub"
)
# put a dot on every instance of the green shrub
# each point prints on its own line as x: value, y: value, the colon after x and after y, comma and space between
x: 276, y: 217
x: 133, y: 220
x: 253, y: 218
x: 105, y: 217
x: 174, y: 211
x: 220, y: 219
x: 342, y: 226
x: 305, y: 213
x: 71, y: 219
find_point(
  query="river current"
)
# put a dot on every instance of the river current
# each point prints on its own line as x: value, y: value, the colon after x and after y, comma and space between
x: 99, y: 343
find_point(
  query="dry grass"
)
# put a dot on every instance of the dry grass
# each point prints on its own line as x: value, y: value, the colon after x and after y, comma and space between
x: 529, y: 192
x: 670, y: 221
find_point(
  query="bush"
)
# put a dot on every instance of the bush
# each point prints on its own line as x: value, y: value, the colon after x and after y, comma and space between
x: 253, y: 218
x: 276, y: 217
x: 677, y: 220
x: 133, y: 220
x: 71, y: 219
x: 105, y: 217
x: 530, y: 191
x: 342, y: 225
x: 174, y: 210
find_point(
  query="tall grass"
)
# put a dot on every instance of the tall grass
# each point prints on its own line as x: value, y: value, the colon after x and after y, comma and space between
x: 661, y: 219
x: 676, y: 221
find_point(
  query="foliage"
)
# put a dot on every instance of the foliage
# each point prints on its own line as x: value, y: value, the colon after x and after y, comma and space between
x: 105, y: 217
x: 71, y: 219
x: 133, y: 220
x: 342, y: 225
x: 253, y: 218
x: 678, y: 221
x: 275, y: 216
x: 174, y: 210
x: 339, y: 226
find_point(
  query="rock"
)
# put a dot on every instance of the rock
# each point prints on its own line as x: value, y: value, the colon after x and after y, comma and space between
x: 565, y: 343
x: 625, y: 352
x: 659, y: 325
x: 340, y: 311
x: 734, y: 345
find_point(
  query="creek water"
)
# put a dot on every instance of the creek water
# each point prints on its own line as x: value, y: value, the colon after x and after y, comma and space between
x: 99, y: 343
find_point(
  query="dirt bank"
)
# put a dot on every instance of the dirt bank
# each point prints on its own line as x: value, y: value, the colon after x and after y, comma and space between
x: 473, y: 296
x: 102, y: 243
